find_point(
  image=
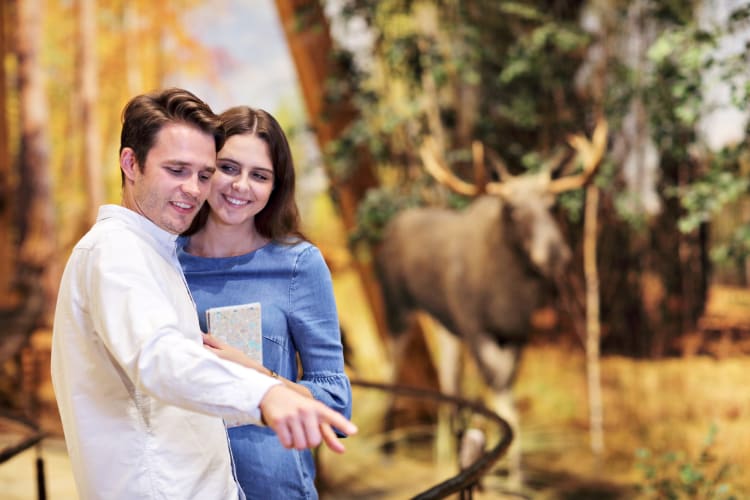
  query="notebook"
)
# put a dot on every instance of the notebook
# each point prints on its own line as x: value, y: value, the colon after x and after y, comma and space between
x: 240, y: 327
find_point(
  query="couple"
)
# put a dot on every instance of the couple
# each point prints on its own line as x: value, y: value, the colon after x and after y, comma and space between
x: 140, y: 389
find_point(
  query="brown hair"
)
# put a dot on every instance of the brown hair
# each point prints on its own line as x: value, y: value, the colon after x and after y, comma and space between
x: 279, y: 219
x: 146, y: 114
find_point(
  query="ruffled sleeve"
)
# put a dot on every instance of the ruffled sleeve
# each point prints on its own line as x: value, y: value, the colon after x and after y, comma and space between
x: 315, y: 330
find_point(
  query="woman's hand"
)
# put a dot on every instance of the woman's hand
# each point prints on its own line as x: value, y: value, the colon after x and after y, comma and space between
x: 226, y: 351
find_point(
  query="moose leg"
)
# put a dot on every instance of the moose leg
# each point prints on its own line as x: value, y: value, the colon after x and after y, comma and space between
x: 445, y: 353
x: 498, y: 365
x: 398, y: 347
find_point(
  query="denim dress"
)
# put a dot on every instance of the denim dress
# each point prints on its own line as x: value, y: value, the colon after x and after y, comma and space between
x: 299, y: 318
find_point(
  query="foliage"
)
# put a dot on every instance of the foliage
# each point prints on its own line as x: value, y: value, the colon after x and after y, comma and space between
x: 706, y: 196
x: 674, y: 476
x: 670, y: 78
x: 682, y: 62
x: 500, y: 72
x: 376, y: 210
x: 521, y: 59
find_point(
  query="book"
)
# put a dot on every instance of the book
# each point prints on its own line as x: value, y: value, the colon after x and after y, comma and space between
x: 240, y: 327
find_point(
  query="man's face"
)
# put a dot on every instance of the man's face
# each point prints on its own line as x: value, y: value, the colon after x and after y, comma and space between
x: 173, y: 184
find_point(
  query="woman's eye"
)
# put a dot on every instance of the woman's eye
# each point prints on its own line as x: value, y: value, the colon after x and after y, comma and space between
x: 229, y: 169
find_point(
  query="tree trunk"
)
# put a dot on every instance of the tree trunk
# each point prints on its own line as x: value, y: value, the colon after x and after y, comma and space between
x: 133, y: 70
x: 35, y: 223
x: 310, y: 44
x: 88, y: 97
x: 7, y: 249
x: 593, y: 326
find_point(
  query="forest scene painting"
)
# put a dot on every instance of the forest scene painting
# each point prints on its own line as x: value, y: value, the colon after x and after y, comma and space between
x: 536, y: 217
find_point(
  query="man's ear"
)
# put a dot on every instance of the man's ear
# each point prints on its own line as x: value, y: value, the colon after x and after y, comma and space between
x: 128, y: 163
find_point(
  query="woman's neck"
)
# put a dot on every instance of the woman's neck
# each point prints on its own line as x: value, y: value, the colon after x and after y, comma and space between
x: 218, y: 240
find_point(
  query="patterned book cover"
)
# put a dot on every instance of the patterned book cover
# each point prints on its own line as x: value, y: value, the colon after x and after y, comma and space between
x: 238, y: 326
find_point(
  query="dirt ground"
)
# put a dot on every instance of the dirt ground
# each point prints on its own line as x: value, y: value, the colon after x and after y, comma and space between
x: 667, y: 407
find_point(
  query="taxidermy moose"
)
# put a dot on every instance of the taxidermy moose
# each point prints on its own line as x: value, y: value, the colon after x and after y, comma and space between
x: 480, y: 272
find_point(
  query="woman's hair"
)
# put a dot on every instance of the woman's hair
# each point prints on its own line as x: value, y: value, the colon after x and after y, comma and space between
x: 279, y: 219
x: 146, y: 114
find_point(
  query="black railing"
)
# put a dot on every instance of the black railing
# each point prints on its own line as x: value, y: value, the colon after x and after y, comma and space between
x: 466, y: 479
x: 17, y: 434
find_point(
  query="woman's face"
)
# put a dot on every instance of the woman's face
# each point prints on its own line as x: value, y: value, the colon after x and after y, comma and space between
x: 243, y: 181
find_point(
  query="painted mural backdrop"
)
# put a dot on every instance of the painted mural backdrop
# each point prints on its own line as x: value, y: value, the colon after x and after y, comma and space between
x: 651, y: 331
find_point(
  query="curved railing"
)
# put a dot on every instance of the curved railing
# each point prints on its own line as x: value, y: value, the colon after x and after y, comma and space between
x: 469, y: 476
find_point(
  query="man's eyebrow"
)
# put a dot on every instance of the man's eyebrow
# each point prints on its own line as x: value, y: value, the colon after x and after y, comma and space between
x: 179, y: 163
x: 183, y: 163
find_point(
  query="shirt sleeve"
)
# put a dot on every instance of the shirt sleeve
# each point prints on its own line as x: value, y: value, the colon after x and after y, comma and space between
x: 135, y: 299
x: 316, y: 334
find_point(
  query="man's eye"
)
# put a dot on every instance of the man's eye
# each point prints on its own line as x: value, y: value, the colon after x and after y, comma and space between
x: 175, y: 171
x: 205, y: 177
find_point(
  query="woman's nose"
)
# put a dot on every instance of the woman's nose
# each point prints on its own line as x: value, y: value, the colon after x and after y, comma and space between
x: 241, y: 184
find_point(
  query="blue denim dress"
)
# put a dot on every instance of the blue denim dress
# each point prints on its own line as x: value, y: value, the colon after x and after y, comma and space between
x: 299, y: 318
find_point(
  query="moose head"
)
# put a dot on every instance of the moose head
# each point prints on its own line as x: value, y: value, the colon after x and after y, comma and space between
x: 527, y: 199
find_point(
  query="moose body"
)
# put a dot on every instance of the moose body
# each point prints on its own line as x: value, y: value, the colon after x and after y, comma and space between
x: 468, y: 269
x: 480, y: 273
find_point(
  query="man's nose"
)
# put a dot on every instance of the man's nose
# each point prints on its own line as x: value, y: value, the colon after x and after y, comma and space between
x: 192, y: 186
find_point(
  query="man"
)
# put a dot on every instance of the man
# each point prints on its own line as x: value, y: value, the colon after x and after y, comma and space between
x: 140, y: 398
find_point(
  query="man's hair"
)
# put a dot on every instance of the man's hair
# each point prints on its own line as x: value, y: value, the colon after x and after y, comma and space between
x: 146, y: 114
x: 279, y: 219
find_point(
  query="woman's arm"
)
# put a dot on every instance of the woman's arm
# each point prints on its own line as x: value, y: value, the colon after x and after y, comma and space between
x: 230, y: 353
x: 314, y: 326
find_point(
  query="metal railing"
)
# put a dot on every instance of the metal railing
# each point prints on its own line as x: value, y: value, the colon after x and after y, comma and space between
x: 466, y: 479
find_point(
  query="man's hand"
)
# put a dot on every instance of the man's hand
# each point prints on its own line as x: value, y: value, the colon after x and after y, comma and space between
x: 301, y: 422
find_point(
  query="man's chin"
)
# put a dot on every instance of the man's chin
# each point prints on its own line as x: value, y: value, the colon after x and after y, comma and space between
x: 177, y: 227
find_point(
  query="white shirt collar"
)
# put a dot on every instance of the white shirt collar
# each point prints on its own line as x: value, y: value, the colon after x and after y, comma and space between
x: 164, y: 239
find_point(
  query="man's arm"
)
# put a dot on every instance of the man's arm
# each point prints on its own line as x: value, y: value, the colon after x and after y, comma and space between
x: 298, y: 420
x: 152, y: 334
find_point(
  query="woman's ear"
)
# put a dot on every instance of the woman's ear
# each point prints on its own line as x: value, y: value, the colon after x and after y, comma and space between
x: 128, y: 163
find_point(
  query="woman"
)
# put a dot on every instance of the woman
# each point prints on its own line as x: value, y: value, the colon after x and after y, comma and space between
x: 245, y: 246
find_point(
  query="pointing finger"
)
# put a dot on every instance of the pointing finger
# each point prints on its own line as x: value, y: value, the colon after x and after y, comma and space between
x: 330, y: 438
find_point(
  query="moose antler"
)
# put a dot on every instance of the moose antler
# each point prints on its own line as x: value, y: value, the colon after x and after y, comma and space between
x: 480, y: 173
x: 590, y: 153
x: 441, y: 173
x: 499, y: 165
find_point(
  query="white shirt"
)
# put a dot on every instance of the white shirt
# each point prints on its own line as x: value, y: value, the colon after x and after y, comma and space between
x: 140, y: 399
